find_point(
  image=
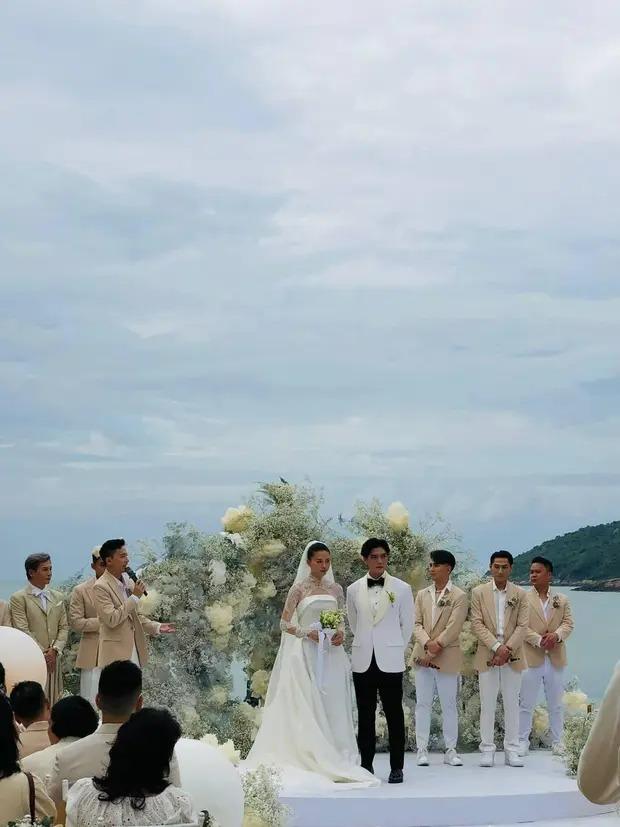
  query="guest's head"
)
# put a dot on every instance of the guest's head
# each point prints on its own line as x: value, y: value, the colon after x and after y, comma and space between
x: 441, y: 565
x: 96, y: 563
x: 375, y: 554
x: 140, y: 757
x: 2, y: 680
x: 541, y: 573
x: 38, y: 570
x: 319, y: 559
x: 120, y: 691
x: 500, y: 567
x: 29, y: 703
x: 114, y: 555
x: 9, y: 740
x: 72, y: 717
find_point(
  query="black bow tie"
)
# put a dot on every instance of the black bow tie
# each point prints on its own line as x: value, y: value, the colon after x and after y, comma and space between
x: 380, y: 581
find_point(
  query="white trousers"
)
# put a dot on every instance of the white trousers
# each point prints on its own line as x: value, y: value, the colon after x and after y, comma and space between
x: 89, y: 683
x: 426, y: 679
x: 508, y: 681
x: 552, y: 678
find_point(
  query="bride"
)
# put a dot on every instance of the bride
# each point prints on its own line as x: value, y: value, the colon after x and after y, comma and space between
x: 307, y: 720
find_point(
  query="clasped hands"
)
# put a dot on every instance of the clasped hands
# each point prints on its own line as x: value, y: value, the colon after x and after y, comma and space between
x: 549, y: 641
x: 432, y: 649
x: 501, y: 656
x: 337, y: 639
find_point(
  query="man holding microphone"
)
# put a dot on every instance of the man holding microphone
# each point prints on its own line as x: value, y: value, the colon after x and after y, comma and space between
x: 122, y: 629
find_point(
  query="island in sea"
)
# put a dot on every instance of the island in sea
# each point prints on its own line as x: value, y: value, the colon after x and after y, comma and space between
x: 587, y: 559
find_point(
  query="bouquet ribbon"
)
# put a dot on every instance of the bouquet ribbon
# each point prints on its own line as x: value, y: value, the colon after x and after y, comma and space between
x: 324, y: 635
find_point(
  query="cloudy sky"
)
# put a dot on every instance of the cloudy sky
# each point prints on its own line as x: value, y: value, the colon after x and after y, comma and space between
x: 376, y: 245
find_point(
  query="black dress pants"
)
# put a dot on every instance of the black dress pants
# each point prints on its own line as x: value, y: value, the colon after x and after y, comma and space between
x: 389, y: 685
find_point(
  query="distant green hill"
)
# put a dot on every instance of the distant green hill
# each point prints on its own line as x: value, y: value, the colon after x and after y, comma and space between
x: 591, y: 553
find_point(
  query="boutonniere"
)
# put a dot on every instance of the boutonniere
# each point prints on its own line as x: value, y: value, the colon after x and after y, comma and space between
x: 511, y: 602
x: 443, y: 601
x: 556, y: 602
x: 391, y: 597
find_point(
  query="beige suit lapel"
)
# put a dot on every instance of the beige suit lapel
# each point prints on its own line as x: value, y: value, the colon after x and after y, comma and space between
x: 489, y: 598
x: 34, y: 600
x: 112, y: 589
x: 537, y: 606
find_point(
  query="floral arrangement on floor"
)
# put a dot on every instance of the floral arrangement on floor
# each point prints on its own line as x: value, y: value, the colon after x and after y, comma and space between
x: 576, y: 731
x: 263, y: 807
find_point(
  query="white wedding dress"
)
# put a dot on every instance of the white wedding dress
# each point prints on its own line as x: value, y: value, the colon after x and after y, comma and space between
x: 307, y: 727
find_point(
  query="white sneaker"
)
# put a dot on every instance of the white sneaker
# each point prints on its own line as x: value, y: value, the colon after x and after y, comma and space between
x: 422, y: 758
x: 524, y: 748
x: 487, y: 759
x: 452, y: 759
x: 513, y: 759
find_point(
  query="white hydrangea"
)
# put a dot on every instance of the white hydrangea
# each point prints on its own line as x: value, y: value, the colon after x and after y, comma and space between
x: 227, y: 748
x: 236, y: 520
x: 236, y: 539
x: 260, y: 683
x: 267, y: 590
x: 218, y: 572
x: 272, y: 548
x: 397, y: 517
x: 149, y: 603
x: 220, y: 616
x: 540, y: 722
x: 218, y: 695
x: 575, y: 702
x: 248, y: 580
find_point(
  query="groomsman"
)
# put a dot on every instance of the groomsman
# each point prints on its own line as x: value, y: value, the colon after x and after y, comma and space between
x: 499, y: 619
x: 5, y: 614
x: 440, y: 611
x: 84, y: 620
x: 121, y: 630
x: 380, y: 612
x: 40, y: 612
x: 550, y: 624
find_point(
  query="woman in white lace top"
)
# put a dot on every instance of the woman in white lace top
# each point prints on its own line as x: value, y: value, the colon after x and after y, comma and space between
x: 134, y: 789
x: 307, y: 721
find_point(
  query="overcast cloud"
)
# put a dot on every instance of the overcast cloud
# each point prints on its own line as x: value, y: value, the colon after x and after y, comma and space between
x: 372, y: 244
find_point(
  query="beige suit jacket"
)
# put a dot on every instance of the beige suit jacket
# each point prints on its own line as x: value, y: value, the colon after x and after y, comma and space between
x: 15, y: 799
x: 89, y: 757
x: 5, y: 613
x: 120, y: 624
x: 598, y: 775
x: 83, y: 619
x: 49, y: 629
x: 33, y: 738
x: 41, y: 763
x: 560, y: 621
x: 484, y: 624
x: 446, y: 630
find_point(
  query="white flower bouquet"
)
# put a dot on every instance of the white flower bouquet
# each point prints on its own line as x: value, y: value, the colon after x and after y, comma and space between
x: 331, y: 620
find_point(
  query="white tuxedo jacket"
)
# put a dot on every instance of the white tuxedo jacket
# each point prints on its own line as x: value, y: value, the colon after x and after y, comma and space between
x: 388, y: 632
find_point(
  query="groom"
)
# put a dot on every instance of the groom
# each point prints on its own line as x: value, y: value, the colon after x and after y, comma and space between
x: 381, y: 616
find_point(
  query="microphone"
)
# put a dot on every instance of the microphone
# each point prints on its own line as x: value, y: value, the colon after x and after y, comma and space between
x: 134, y: 577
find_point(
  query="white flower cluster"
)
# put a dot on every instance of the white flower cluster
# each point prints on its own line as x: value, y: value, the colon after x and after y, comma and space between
x: 263, y: 808
x: 575, y: 702
x: 260, y: 683
x: 218, y: 572
x: 227, y: 748
x: 150, y: 603
x: 237, y: 520
x: 397, y: 517
x: 540, y: 722
x: 220, y: 617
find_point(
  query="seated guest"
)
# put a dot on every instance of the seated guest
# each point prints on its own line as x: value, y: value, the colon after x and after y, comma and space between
x: 598, y: 775
x: 135, y: 787
x: 119, y: 696
x: 32, y: 711
x: 71, y: 718
x: 15, y: 784
x: 2, y: 680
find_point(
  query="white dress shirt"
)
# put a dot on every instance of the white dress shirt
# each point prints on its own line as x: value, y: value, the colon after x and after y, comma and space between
x: 437, y: 597
x: 43, y: 596
x: 500, y: 610
x: 547, y: 607
x: 374, y: 594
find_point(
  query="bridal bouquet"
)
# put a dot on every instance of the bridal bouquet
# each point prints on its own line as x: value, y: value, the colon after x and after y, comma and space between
x: 331, y: 620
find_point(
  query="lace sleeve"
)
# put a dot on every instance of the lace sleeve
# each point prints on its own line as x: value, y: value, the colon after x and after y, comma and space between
x: 292, y: 600
x: 339, y: 595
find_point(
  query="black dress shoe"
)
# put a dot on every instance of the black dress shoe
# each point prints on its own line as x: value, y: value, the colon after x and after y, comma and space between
x: 396, y: 777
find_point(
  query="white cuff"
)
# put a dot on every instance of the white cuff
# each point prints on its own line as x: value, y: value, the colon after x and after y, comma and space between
x: 135, y: 598
x: 558, y: 633
x: 539, y: 641
x: 495, y: 646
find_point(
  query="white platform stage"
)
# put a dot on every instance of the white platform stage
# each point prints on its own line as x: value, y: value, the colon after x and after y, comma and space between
x: 442, y: 796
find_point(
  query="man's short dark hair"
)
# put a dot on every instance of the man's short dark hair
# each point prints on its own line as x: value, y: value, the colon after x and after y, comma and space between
x: 371, y: 543
x: 544, y: 562
x: 33, y: 561
x: 109, y: 547
x: 28, y: 700
x: 502, y: 553
x: 443, y: 557
x: 120, y: 685
x: 73, y: 717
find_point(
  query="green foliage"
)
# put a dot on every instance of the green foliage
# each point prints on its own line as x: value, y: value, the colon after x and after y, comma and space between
x: 589, y: 554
